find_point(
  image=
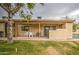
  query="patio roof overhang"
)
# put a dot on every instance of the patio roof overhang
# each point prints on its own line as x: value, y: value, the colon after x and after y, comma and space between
x: 43, y: 20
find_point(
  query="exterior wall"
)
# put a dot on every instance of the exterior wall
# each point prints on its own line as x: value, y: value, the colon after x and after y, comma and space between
x: 69, y: 28
x: 62, y: 33
x: 2, y: 28
x: 57, y: 34
x: 20, y: 33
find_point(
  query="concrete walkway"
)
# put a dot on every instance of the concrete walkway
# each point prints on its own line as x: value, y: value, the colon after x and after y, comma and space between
x: 40, y: 39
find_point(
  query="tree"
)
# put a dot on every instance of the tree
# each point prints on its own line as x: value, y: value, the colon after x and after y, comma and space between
x: 12, y: 9
x: 75, y: 26
x: 30, y: 7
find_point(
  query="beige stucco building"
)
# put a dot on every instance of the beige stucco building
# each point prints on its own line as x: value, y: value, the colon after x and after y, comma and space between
x: 51, y: 29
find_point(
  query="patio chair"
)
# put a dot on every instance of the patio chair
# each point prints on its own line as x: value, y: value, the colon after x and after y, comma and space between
x: 30, y: 34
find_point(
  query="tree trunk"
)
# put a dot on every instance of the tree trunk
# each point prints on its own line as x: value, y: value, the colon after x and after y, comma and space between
x: 10, y: 29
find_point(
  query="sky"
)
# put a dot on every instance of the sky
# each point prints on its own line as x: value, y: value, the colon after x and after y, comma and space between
x: 52, y: 10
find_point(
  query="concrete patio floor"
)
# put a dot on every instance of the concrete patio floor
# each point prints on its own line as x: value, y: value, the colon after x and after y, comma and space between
x: 39, y: 39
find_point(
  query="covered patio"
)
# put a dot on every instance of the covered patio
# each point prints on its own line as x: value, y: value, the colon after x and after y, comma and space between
x: 36, y: 28
x: 27, y: 29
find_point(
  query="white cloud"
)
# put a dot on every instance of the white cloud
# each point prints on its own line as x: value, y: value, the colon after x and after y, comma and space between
x: 52, y: 10
x: 76, y: 12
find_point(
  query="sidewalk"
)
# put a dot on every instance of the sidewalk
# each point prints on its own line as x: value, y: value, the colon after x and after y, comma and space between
x: 40, y: 39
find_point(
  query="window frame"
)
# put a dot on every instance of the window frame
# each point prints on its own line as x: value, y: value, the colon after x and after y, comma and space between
x: 25, y: 28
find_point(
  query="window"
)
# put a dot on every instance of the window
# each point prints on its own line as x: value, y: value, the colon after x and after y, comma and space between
x: 60, y: 26
x: 54, y: 27
x: 1, y: 33
x: 25, y: 28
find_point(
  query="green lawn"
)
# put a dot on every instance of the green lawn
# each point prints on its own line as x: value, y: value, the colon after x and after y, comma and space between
x: 39, y: 48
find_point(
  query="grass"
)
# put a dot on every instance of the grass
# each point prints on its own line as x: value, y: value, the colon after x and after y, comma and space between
x: 38, y: 47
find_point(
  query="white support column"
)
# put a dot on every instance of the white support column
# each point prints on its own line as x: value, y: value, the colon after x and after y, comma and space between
x: 69, y: 30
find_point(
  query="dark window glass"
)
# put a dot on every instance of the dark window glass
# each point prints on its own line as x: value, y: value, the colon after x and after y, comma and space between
x: 54, y: 27
x: 60, y: 26
x: 25, y: 28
